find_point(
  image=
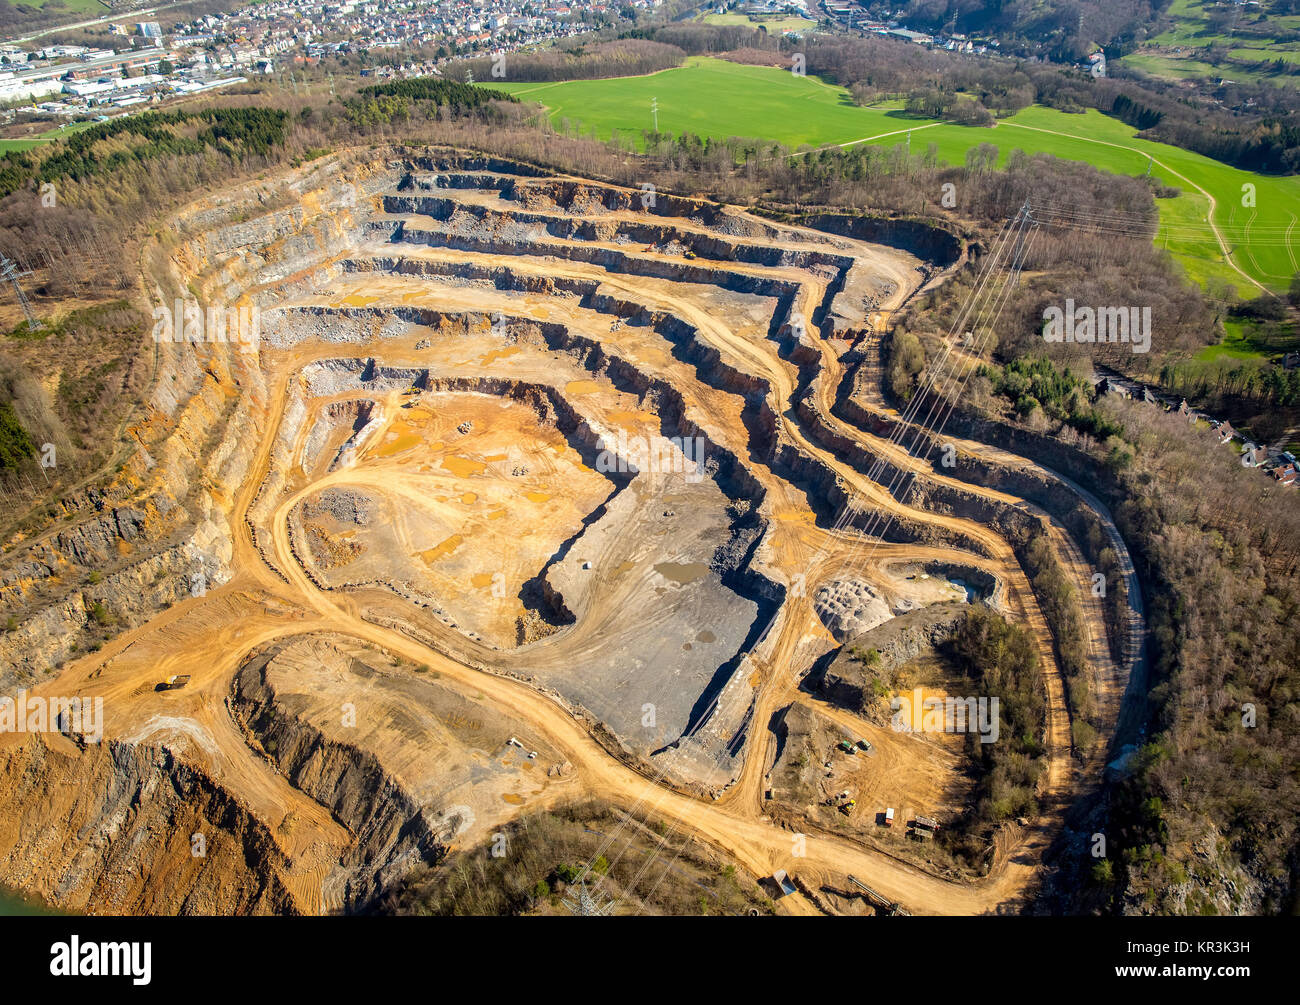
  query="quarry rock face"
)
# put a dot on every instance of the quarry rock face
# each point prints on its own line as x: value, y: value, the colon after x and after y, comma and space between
x: 506, y: 463
x: 846, y: 680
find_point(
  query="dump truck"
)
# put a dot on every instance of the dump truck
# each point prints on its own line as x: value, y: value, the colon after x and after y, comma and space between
x: 174, y: 683
x: 847, y: 747
x: 889, y: 816
x: 926, y: 823
x: 865, y: 746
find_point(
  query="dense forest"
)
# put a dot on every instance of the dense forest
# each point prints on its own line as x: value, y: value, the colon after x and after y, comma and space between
x: 233, y: 132
x: 1204, y: 818
x: 1211, y: 808
x: 1002, y: 659
x: 623, y: 57
x: 15, y: 442
x: 450, y: 93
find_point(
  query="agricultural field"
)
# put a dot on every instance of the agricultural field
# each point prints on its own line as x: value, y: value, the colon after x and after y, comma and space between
x: 1249, y: 42
x: 1183, y: 68
x: 774, y: 25
x: 778, y: 106
x: 757, y: 101
x: 76, y: 6
x: 27, y: 142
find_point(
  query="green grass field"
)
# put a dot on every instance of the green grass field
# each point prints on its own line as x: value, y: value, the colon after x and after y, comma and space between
x: 1191, y: 32
x: 77, y: 6
x: 1183, y: 68
x: 774, y: 25
x: 45, y: 137
x: 711, y: 97
x: 1235, y: 345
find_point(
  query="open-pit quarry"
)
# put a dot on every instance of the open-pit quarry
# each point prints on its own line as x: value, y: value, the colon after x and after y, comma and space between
x: 530, y: 488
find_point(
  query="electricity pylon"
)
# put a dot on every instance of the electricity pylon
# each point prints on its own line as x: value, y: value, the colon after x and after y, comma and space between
x: 582, y: 904
x: 9, y: 274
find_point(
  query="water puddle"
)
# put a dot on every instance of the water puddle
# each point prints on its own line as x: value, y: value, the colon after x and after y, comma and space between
x: 682, y: 573
x: 463, y: 467
x: 445, y: 548
x: 497, y: 354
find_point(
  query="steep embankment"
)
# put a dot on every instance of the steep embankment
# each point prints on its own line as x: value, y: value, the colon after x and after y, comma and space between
x: 121, y: 828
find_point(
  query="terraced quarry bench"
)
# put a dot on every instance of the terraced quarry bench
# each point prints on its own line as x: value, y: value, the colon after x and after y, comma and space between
x: 514, y: 457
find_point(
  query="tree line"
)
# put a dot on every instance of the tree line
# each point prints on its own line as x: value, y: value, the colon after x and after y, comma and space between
x: 86, y: 154
x: 626, y: 57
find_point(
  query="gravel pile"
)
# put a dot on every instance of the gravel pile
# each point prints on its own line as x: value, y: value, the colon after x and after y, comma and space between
x: 344, y: 505
x: 849, y: 607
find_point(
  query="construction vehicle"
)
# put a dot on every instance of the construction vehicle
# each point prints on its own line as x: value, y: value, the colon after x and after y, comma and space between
x: 865, y: 746
x: 847, y: 747
x: 878, y: 900
x: 174, y: 683
x: 926, y: 823
x: 847, y: 808
x: 690, y: 256
x: 889, y: 816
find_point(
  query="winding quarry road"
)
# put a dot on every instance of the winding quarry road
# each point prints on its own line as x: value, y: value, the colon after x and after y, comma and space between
x: 270, y: 596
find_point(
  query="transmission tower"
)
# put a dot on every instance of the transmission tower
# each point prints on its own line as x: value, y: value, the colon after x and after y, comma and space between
x: 9, y: 274
x: 583, y: 905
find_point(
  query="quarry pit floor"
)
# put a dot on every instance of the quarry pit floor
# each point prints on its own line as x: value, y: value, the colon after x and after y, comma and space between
x: 473, y: 515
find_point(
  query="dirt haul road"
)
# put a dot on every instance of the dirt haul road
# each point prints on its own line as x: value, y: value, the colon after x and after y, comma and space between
x: 271, y: 596
x: 774, y: 848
